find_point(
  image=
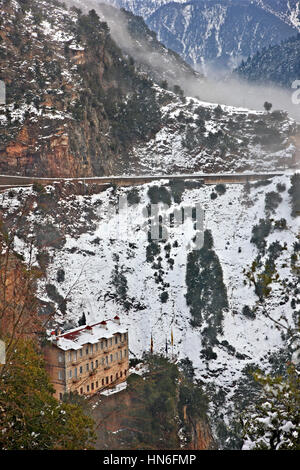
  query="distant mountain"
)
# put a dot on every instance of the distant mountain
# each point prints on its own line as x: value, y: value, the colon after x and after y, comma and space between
x: 278, y: 64
x: 221, y: 32
x: 287, y: 10
x: 143, y: 8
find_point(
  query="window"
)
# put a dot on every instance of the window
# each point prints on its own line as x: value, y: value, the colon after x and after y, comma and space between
x: 70, y: 373
x: 102, y: 361
x: 120, y: 354
x: 116, y: 356
x: 87, y: 388
x: 92, y: 365
x: 81, y: 391
x: 69, y: 356
x: 75, y: 372
x: 111, y: 358
x: 107, y: 380
x: 87, y: 350
x: 125, y: 371
x: 96, y: 363
x: 97, y: 384
x: 80, y: 352
x: 60, y: 375
x: 121, y: 374
x: 101, y: 344
x: 75, y: 355
x: 97, y: 347
x: 110, y: 341
x: 106, y: 360
x: 80, y: 370
x: 92, y: 348
x: 92, y: 385
x: 117, y: 376
x: 60, y: 358
x: 116, y: 340
x: 125, y: 352
x: 111, y: 378
x: 60, y: 396
x: 102, y: 381
x: 87, y: 367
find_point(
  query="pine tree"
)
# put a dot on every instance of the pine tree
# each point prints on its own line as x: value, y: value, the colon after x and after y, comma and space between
x: 82, y: 320
x: 274, y: 421
x: 30, y: 416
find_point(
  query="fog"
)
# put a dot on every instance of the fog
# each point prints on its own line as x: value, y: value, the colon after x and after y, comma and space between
x: 226, y: 89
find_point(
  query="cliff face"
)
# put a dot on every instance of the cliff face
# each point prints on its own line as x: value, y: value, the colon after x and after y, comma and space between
x: 79, y: 106
x: 73, y: 101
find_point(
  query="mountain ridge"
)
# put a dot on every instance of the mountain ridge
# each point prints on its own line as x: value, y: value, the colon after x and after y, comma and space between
x: 176, y: 24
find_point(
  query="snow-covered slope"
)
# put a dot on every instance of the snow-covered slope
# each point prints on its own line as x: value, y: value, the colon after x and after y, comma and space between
x: 218, y: 32
x: 200, y: 136
x: 98, y: 266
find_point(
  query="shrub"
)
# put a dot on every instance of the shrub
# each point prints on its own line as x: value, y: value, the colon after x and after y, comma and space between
x: 164, y: 297
x: 221, y: 189
x: 152, y: 250
x: 257, y: 184
x: 60, y: 276
x: 272, y: 201
x: 208, y: 354
x: 38, y: 188
x: 281, y: 187
x: 133, y: 197
x: 280, y: 224
x: 177, y: 189
x: 159, y: 194
x: 294, y: 192
x: 248, y: 312
x: 213, y: 196
x: 82, y: 320
x: 260, y: 232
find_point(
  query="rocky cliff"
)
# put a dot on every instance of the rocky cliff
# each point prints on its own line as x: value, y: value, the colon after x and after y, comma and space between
x: 74, y: 102
x: 77, y: 105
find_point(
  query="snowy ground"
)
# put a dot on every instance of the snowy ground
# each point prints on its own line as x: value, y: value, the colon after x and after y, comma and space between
x: 89, y: 260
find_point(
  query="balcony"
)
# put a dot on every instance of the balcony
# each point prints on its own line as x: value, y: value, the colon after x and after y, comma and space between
x: 93, y: 355
x: 106, y: 367
x: 76, y: 362
x: 93, y: 372
x: 76, y: 379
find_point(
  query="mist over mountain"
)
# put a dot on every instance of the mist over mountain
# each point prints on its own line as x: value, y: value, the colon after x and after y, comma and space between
x: 210, y: 33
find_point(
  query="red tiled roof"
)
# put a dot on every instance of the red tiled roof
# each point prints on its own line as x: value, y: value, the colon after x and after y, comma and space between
x: 74, y: 334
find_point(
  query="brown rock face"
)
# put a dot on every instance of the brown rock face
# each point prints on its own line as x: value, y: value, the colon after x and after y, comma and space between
x: 71, y: 104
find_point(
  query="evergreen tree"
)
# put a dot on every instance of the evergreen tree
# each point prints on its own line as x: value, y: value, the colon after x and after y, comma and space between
x: 30, y: 416
x: 274, y: 421
x: 206, y: 291
x: 161, y: 402
x: 267, y: 106
x: 82, y: 320
x: 294, y: 193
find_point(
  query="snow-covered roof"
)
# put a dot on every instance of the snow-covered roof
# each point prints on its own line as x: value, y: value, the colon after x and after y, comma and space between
x: 76, y: 338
